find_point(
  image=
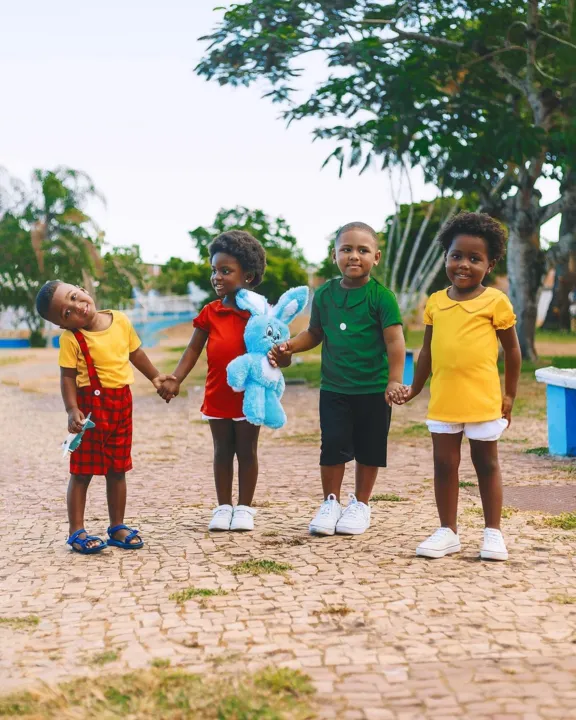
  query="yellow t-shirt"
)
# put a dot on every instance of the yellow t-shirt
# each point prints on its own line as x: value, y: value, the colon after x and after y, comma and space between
x: 465, y: 383
x: 110, y: 350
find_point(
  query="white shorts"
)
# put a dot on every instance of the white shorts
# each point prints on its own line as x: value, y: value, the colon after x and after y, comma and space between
x: 209, y: 417
x: 487, y: 431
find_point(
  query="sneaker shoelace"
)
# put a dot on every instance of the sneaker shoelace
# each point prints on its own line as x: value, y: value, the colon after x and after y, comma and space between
x: 354, y: 507
x: 327, y: 505
x: 493, y: 535
x: 440, y: 534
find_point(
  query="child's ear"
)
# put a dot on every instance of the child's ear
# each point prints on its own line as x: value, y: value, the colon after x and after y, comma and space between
x: 377, y: 257
x: 333, y: 251
x: 491, y: 266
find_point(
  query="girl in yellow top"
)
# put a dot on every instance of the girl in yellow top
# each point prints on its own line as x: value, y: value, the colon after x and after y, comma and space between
x: 463, y: 326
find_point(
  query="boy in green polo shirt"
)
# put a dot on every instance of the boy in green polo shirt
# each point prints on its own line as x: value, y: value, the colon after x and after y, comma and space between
x: 358, y: 321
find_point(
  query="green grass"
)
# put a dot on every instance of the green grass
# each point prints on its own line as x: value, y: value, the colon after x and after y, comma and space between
x: 465, y: 484
x: 564, y: 521
x: 312, y: 438
x: 559, y: 336
x: 20, y: 623
x: 415, y: 430
x: 387, y: 497
x: 260, y: 567
x: 160, y: 663
x: 308, y: 370
x: 271, y: 694
x: 189, y: 593
x: 540, y: 451
x: 103, y: 658
x: 334, y: 610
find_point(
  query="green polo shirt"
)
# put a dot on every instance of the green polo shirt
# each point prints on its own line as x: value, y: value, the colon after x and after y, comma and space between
x: 354, y: 359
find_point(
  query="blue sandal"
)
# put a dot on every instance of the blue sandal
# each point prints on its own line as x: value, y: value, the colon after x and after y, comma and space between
x: 125, y: 544
x: 74, y: 539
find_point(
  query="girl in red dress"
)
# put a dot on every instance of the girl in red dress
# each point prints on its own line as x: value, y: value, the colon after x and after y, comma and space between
x: 238, y: 261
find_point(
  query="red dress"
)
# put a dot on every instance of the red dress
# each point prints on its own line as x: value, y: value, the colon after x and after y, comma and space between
x: 225, y: 327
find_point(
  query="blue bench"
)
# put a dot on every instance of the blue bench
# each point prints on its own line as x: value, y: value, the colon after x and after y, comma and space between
x: 560, y: 408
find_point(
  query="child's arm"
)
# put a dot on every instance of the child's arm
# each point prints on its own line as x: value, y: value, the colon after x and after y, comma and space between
x: 396, y: 351
x: 70, y: 397
x: 422, y: 372
x: 512, y: 367
x: 142, y: 362
x: 171, y: 387
x: 281, y: 355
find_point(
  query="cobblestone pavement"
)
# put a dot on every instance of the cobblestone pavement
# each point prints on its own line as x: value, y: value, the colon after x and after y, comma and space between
x: 382, y: 633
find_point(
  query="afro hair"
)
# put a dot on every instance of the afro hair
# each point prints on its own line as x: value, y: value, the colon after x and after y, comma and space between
x: 45, y: 296
x: 478, y: 225
x: 245, y: 248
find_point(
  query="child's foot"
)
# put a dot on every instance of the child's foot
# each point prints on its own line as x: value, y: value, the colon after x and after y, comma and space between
x: 494, y: 547
x: 243, y: 518
x: 443, y: 542
x: 355, y: 520
x: 221, y: 518
x: 324, y: 522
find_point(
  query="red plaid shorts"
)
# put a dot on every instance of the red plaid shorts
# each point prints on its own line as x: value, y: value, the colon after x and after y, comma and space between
x: 107, y: 446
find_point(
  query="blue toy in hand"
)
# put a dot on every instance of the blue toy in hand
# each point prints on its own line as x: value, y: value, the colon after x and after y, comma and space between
x: 262, y: 384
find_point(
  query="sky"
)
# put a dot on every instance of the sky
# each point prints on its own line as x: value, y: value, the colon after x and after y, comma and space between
x: 109, y: 87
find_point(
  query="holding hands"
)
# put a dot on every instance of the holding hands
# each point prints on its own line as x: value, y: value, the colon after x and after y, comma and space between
x: 399, y: 394
x: 168, y: 388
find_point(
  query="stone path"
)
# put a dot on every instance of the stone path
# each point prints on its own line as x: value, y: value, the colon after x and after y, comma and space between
x: 382, y: 633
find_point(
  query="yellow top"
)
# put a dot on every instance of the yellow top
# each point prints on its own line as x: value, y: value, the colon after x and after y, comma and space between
x: 110, y: 350
x: 465, y: 382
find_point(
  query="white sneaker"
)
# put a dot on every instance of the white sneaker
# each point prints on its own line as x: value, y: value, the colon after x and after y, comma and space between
x: 443, y: 542
x: 355, y: 520
x: 243, y: 518
x: 494, y: 547
x: 221, y: 518
x: 324, y: 522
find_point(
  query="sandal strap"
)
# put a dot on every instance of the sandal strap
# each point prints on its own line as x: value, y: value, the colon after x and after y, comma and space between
x: 74, y: 539
x: 131, y: 534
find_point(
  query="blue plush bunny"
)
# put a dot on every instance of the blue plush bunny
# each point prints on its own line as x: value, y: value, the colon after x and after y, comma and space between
x: 262, y: 384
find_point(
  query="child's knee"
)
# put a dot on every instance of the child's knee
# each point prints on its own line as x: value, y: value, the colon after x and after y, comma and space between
x: 114, y: 476
x: 81, y: 479
x: 485, y: 463
x: 247, y: 452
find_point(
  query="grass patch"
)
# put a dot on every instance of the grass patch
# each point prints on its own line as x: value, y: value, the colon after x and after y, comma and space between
x: 508, y: 512
x: 103, y: 658
x: 416, y: 430
x: 473, y: 511
x: 22, y: 623
x: 160, y: 663
x: 189, y: 593
x: 308, y: 370
x: 387, y: 497
x: 11, y: 360
x: 260, y: 567
x: 335, y: 610
x: 564, y: 521
x: 466, y: 484
x: 559, y: 336
x: 540, y: 451
x: 562, y: 599
x: 284, y: 541
x: 271, y: 694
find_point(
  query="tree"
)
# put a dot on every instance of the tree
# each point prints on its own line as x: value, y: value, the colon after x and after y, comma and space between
x: 177, y: 273
x: 46, y: 235
x: 122, y: 271
x: 480, y: 93
x: 286, y: 265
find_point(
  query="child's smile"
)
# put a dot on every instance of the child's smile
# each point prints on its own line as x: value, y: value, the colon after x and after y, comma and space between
x: 227, y: 275
x: 356, y: 253
x: 468, y: 263
x: 72, y: 308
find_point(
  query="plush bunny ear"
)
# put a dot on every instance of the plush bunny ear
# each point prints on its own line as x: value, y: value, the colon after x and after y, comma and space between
x: 251, y: 301
x: 291, y: 303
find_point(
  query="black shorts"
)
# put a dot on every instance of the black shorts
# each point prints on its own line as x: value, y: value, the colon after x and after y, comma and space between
x: 354, y: 427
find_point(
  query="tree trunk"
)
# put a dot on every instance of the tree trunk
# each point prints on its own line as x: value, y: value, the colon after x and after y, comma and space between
x: 558, y: 315
x: 525, y: 269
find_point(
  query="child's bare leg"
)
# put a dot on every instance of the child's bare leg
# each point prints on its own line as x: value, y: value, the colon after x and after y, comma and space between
x: 223, y: 437
x: 247, y: 454
x: 365, y: 480
x: 485, y: 459
x: 116, y: 497
x: 76, y: 502
x: 446, y: 464
x: 332, y: 477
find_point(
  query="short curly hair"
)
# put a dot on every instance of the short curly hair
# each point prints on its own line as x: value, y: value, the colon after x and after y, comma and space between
x: 356, y: 226
x: 245, y: 248
x: 45, y: 297
x: 481, y: 225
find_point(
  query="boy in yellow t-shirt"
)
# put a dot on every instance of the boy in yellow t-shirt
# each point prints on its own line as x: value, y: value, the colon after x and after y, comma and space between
x: 463, y: 326
x: 96, y: 350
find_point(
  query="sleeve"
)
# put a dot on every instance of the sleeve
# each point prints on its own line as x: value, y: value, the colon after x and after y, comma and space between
x: 388, y: 309
x: 202, y: 320
x: 134, y: 341
x: 69, y: 350
x: 503, y: 317
x: 428, y: 320
x: 315, y: 320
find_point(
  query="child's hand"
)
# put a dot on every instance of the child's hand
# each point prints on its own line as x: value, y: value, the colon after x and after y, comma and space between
x: 507, y: 405
x: 160, y: 379
x: 75, y: 420
x: 169, y: 388
x: 280, y: 355
x: 399, y: 394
